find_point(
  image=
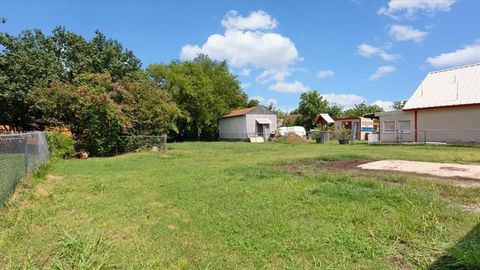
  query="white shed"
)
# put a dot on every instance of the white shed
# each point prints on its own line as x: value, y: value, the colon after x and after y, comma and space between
x: 247, y: 123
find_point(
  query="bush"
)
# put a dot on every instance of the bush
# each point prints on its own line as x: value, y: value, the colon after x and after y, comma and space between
x: 343, y: 133
x: 59, y: 144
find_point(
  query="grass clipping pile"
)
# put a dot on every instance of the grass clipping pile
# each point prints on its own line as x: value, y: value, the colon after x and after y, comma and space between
x: 290, y: 138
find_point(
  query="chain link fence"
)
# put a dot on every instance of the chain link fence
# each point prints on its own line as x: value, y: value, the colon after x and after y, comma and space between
x: 134, y: 143
x: 20, y: 155
x: 430, y: 136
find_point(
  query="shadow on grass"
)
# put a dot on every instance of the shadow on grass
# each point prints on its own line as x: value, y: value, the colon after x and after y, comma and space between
x: 464, y: 255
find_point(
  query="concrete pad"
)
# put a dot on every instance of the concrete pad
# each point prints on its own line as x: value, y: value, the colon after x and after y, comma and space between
x: 431, y: 168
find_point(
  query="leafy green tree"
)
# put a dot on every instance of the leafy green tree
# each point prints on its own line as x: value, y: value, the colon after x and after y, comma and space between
x: 98, y: 110
x: 204, y: 90
x: 361, y: 109
x: 153, y: 110
x: 99, y: 55
x: 310, y: 106
x: 25, y: 61
x: 399, y: 104
x: 253, y: 103
x: 335, y: 111
x: 88, y: 110
x: 33, y: 59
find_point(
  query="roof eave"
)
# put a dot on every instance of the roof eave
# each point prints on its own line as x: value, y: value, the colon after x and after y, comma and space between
x: 442, y: 107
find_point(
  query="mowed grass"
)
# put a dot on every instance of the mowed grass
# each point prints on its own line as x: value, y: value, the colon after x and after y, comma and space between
x: 227, y: 205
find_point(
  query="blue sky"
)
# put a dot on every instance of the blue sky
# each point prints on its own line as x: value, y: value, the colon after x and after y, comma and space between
x: 375, y: 51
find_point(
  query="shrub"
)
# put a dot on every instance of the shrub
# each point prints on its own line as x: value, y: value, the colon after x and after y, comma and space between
x: 59, y: 144
x: 343, y: 133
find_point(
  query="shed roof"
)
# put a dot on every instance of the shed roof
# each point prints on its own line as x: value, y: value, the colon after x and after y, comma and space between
x: 253, y: 110
x: 449, y: 87
x: 324, y: 117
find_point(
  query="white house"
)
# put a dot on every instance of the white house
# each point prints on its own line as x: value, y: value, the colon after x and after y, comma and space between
x: 247, y: 123
x: 444, y: 108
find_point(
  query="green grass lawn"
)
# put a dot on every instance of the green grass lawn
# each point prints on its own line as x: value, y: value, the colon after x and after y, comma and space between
x: 239, y: 206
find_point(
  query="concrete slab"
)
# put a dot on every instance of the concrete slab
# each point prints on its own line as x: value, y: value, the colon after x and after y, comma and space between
x: 431, y: 168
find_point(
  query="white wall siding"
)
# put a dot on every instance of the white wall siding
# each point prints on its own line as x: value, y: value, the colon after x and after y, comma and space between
x: 251, y: 123
x: 395, y: 136
x: 233, y: 128
x: 456, y: 124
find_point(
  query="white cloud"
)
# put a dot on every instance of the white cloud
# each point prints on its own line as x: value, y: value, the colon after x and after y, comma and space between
x: 259, y: 98
x: 249, y: 42
x: 404, y: 32
x: 368, y: 51
x: 272, y: 101
x: 384, y: 104
x: 245, y: 85
x: 256, y: 20
x: 189, y: 52
x: 276, y: 75
x: 381, y: 71
x: 322, y: 74
x: 286, y: 87
x: 245, y: 72
x: 467, y: 55
x: 240, y: 47
x: 407, y: 8
x: 345, y: 100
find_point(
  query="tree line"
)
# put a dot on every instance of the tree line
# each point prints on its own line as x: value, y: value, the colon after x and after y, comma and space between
x: 99, y: 91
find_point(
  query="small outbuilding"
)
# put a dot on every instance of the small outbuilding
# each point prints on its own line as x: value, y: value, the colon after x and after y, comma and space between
x: 247, y: 123
x: 324, y: 119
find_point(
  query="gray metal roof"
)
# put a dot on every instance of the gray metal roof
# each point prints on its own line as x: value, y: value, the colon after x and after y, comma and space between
x: 449, y: 87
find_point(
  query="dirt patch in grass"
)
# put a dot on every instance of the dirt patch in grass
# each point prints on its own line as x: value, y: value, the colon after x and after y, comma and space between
x: 453, y: 169
x: 471, y: 208
x: 342, y: 164
x: 54, y: 177
x: 351, y: 165
x: 399, y: 263
x: 43, y: 191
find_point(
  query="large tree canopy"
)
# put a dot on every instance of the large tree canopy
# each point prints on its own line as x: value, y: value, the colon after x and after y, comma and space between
x: 97, y: 110
x: 204, y: 90
x: 362, y: 109
x: 311, y: 105
x: 398, y: 104
x: 33, y: 59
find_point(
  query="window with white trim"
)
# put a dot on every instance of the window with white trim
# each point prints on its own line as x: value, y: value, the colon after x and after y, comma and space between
x: 389, y: 126
x: 405, y: 126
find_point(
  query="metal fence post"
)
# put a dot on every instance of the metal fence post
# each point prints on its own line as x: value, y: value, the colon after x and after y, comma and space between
x: 165, y: 142
x: 26, y: 153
